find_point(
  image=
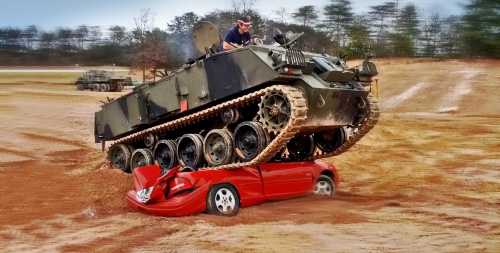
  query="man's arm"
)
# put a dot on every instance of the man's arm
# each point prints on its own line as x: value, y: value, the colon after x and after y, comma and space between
x: 229, y: 46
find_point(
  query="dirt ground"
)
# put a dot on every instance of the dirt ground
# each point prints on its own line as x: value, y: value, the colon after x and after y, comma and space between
x: 426, y: 179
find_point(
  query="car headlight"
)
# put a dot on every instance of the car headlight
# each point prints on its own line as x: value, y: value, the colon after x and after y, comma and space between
x: 144, y: 195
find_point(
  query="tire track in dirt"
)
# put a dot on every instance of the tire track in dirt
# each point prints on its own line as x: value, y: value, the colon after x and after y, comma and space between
x: 396, y: 100
x: 68, y: 234
x: 53, y: 139
x: 456, y: 93
x: 463, y: 222
x: 25, y: 154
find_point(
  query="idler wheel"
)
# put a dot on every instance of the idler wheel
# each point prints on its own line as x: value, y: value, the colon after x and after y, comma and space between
x: 218, y: 147
x: 329, y: 140
x: 101, y: 87
x: 119, y: 155
x: 301, y: 147
x: 274, y: 111
x: 141, y: 157
x: 190, y: 150
x: 165, y: 154
x: 249, y: 139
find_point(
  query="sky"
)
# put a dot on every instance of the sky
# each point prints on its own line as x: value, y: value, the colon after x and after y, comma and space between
x: 50, y: 14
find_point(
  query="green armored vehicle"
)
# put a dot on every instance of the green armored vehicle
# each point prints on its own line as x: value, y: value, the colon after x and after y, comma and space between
x: 101, y: 80
x: 241, y: 107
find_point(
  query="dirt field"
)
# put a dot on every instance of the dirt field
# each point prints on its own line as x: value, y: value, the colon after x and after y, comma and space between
x: 426, y: 179
x: 51, y: 75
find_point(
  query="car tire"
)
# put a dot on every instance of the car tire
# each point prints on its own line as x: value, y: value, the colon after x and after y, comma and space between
x: 324, y: 187
x: 223, y: 200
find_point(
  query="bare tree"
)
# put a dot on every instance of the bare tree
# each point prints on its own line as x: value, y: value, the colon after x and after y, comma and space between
x: 12, y: 38
x: 338, y: 18
x: 65, y: 38
x: 143, y: 25
x: 307, y: 15
x: 94, y: 35
x: 282, y: 14
x: 118, y: 34
x: 48, y: 40
x: 30, y: 34
x: 243, y: 6
x: 381, y: 15
x: 81, y: 34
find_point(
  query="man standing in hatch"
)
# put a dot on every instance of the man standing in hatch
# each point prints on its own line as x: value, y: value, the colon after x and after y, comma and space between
x: 239, y: 35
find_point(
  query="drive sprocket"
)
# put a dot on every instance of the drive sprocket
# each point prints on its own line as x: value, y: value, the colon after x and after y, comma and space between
x: 274, y: 111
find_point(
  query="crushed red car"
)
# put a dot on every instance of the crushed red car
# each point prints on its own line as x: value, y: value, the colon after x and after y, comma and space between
x: 179, y: 193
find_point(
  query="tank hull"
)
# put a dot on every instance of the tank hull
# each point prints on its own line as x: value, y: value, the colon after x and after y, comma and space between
x: 217, y: 79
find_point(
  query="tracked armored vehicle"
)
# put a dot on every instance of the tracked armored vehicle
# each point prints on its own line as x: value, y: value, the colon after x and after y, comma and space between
x: 101, y: 80
x: 241, y: 107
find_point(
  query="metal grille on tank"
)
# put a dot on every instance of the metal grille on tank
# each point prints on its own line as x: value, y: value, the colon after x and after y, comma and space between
x: 295, y: 57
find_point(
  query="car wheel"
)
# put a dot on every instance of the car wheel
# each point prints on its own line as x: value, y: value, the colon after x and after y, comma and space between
x: 324, y: 186
x: 223, y: 200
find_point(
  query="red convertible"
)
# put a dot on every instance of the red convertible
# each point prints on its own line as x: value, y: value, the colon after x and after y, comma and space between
x: 223, y: 192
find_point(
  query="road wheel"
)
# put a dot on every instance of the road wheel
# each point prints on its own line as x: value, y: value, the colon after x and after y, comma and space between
x: 119, y: 156
x: 324, y: 186
x: 190, y: 150
x: 223, y: 200
x: 218, y: 147
x: 107, y: 87
x: 329, y: 140
x: 301, y: 147
x: 150, y: 140
x: 141, y: 157
x: 165, y: 154
x: 249, y: 140
x: 187, y: 169
x: 230, y: 116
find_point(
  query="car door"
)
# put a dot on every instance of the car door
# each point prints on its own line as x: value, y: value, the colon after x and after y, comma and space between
x: 283, y: 180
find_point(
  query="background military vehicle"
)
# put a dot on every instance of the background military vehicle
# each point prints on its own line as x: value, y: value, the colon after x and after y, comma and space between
x: 101, y: 80
x: 241, y: 107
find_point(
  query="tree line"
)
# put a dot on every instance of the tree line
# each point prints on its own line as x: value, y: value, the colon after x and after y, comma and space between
x: 386, y: 30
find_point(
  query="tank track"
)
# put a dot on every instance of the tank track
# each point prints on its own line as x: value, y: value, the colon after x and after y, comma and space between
x: 297, y: 117
x: 358, y: 132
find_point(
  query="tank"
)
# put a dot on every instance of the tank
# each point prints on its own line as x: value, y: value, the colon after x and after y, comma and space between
x: 101, y: 80
x: 242, y: 107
